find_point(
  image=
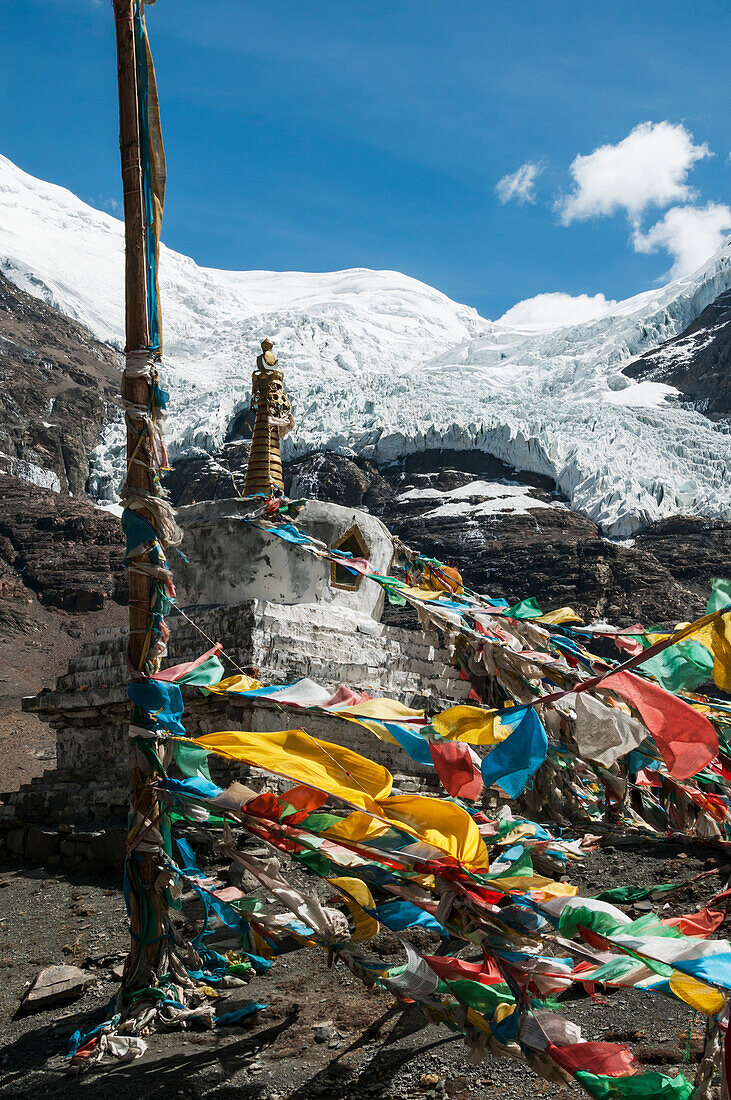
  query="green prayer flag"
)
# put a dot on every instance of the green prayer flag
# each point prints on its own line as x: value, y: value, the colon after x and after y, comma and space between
x: 613, y: 971
x: 649, y: 924
x: 626, y: 894
x: 720, y: 594
x: 191, y: 759
x: 594, y: 919
x: 526, y: 609
x: 318, y: 822
x: 483, y: 998
x: 522, y: 866
x: 643, y: 1086
x: 683, y: 666
x: 315, y: 862
x: 203, y: 675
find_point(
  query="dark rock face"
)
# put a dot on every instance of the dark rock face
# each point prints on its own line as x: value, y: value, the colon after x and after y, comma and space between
x: 58, y: 386
x: 362, y: 484
x: 339, y: 480
x: 697, y: 362
x: 198, y: 475
x: 551, y: 553
x: 61, y: 578
x: 693, y: 550
x: 65, y: 551
x: 560, y: 558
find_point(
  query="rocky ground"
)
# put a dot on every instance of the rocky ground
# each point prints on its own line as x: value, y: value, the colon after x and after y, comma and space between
x: 322, y: 1033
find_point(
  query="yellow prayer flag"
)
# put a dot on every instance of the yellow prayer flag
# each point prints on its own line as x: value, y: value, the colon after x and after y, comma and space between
x: 236, y: 683
x: 559, y: 616
x: 721, y: 649
x: 357, y: 895
x: 547, y: 886
x: 704, y: 998
x: 387, y: 710
x: 442, y: 824
x: 473, y: 725
x: 305, y: 759
x: 419, y: 593
x: 357, y: 827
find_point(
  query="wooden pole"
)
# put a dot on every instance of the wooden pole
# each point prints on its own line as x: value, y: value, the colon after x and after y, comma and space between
x: 139, y: 473
x: 135, y: 276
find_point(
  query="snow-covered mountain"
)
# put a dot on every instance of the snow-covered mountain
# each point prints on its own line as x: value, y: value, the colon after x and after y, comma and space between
x: 379, y: 364
x: 697, y: 362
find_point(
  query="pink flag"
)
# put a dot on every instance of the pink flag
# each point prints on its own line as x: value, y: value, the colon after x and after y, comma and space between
x: 606, y: 1059
x: 170, y: 675
x: 346, y: 697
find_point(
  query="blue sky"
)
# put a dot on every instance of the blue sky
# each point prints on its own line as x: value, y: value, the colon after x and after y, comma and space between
x: 322, y: 134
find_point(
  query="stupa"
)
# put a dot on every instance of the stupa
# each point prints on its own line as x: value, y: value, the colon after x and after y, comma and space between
x: 276, y: 610
x: 273, y: 421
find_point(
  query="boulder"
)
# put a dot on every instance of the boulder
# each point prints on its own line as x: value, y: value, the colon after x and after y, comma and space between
x: 55, y: 984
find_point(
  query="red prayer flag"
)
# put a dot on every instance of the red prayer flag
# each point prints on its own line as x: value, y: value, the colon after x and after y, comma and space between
x: 451, y: 969
x: 607, y: 1059
x: 456, y: 769
x: 686, y: 739
x: 699, y: 924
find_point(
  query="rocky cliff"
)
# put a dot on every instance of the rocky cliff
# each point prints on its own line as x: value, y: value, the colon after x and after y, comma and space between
x: 697, y: 362
x: 66, y: 552
x: 61, y: 578
x: 58, y: 387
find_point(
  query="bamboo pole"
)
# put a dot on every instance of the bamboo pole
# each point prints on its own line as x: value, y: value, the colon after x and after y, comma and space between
x: 142, y: 797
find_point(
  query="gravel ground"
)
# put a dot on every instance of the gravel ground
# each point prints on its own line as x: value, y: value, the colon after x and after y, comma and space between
x: 322, y: 1034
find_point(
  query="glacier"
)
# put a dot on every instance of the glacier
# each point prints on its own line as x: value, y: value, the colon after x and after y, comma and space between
x: 380, y: 365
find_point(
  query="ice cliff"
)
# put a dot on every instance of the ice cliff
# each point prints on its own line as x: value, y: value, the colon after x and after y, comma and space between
x: 379, y: 364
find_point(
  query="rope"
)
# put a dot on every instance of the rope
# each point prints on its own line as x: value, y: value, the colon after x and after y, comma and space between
x: 203, y: 633
x: 139, y: 364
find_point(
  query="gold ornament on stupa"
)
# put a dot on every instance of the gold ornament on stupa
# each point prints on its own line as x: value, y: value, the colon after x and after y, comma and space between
x: 273, y: 421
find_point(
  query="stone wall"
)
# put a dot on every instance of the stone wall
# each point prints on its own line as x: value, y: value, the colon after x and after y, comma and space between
x: 282, y: 642
x: 89, y: 708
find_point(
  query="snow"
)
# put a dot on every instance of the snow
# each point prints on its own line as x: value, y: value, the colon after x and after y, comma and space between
x: 478, y: 498
x: 381, y: 365
x: 515, y: 505
x: 30, y: 471
x: 113, y: 509
x: 485, y: 489
x: 649, y: 395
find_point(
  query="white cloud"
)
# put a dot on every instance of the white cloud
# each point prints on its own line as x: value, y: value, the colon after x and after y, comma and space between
x: 647, y: 168
x: 689, y: 233
x: 520, y: 186
x: 558, y: 308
